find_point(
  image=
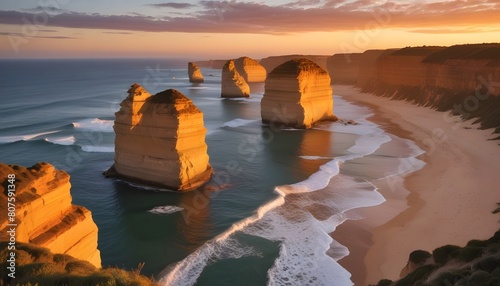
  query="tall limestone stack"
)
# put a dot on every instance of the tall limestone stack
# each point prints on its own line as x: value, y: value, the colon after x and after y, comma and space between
x: 233, y: 84
x: 297, y: 94
x: 160, y: 141
x: 44, y: 214
x: 194, y: 72
x: 250, y: 69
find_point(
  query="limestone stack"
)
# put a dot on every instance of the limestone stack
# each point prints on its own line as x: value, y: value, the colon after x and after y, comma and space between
x: 233, y: 84
x: 160, y: 140
x: 44, y: 214
x: 250, y: 69
x: 194, y: 73
x: 298, y: 94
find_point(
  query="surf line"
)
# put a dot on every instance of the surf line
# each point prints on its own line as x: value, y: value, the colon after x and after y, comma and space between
x: 187, y: 271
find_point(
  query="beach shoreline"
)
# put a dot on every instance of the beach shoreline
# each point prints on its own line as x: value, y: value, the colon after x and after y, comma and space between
x: 460, y: 164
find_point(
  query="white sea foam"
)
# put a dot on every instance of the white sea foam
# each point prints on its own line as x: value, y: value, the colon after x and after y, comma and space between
x: 316, y: 158
x: 165, y: 210
x: 27, y: 137
x: 94, y: 124
x: 187, y: 271
x: 303, y: 215
x: 238, y: 122
x: 68, y: 140
x: 98, y: 149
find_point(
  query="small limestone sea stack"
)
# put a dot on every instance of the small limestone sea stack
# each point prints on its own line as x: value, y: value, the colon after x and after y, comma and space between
x: 297, y: 94
x: 43, y: 212
x: 194, y: 72
x: 160, y: 141
x: 233, y: 84
x: 250, y: 69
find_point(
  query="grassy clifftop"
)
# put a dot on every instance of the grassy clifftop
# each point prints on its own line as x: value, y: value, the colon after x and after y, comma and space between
x: 38, y: 266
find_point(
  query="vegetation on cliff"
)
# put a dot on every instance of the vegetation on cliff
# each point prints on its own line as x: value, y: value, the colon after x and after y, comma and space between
x: 38, y: 266
x: 477, y: 263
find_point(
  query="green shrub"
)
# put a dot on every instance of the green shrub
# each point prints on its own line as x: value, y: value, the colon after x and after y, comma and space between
x: 418, y: 275
x: 384, y: 282
x: 80, y: 267
x: 443, y: 254
x: 494, y: 281
x: 488, y: 264
x: 63, y: 259
x: 479, y: 278
x: 419, y: 256
x: 478, y: 243
x: 469, y: 253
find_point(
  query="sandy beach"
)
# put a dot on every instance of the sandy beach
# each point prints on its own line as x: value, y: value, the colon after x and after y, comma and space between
x: 449, y: 201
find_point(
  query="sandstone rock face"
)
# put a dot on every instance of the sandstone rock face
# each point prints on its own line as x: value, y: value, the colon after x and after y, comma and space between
x: 194, y: 73
x: 344, y: 68
x: 250, y: 69
x: 160, y: 140
x: 44, y: 213
x: 270, y: 63
x: 233, y: 84
x: 298, y: 94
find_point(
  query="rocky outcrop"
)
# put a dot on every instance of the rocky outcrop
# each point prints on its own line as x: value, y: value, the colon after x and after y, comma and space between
x: 194, y: 73
x: 344, y: 68
x: 160, y: 141
x: 270, y: 63
x: 250, y: 69
x: 233, y: 84
x: 298, y: 94
x: 44, y: 214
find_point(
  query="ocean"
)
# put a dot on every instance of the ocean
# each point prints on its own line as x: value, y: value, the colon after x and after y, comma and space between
x: 268, y: 212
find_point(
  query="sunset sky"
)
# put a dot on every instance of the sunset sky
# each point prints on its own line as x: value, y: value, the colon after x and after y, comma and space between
x: 222, y: 29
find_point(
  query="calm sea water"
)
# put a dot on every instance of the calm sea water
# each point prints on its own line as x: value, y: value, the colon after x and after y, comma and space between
x: 275, y: 197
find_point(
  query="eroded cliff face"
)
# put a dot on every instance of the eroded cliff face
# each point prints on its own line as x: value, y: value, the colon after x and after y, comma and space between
x: 160, y: 140
x: 44, y: 213
x: 298, y: 94
x: 250, y: 69
x: 344, y: 68
x: 233, y: 83
x: 464, y: 78
x: 194, y: 73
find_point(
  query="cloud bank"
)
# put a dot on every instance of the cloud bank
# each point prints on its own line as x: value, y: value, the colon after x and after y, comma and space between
x: 298, y: 16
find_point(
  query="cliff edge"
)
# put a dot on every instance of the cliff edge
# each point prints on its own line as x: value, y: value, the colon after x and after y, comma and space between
x: 44, y: 214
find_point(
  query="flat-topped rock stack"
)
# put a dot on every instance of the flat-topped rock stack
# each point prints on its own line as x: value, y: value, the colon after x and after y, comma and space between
x: 160, y: 141
x: 297, y: 94
x: 250, y: 69
x: 44, y: 214
x: 194, y: 72
x: 233, y: 83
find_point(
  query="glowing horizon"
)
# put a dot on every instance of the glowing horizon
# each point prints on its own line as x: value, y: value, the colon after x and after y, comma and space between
x: 215, y: 29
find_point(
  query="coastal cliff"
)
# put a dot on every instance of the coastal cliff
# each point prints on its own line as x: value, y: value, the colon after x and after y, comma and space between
x: 194, y: 73
x: 270, y: 63
x: 233, y: 84
x: 44, y: 213
x: 250, y: 69
x: 298, y: 94
x: 344, y: 68
x: 160, y: 141
x: 464, y: 79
